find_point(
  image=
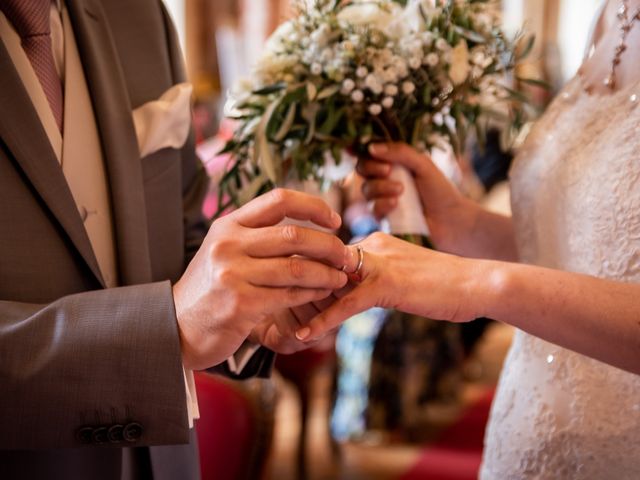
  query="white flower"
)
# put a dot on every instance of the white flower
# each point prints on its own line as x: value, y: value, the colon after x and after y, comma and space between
x: 459, y: 70
x: 441, y: 44
x: 432, y: 59
x: 438, y: 119
x: 361, y: 72
x: 367, y: 14
x: 348, y: 45
x: 427, y: 38
x: 450, y: 122
x: 316, y: 69
x: 284, y: 31
x: 387, y: 102
x: 347, y: 86
x: 357, y: 96
x: 391, y: 90
x: 415, y: 63
x: 327, y: 55
x: 375, y: 109
x: 321, y: 36
x: 401, y: 67
x: 390, y: 75
x: 408, y: 88
x: 373, y: 83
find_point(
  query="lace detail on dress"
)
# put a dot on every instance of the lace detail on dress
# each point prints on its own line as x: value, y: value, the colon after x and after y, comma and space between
x: 576, y: 206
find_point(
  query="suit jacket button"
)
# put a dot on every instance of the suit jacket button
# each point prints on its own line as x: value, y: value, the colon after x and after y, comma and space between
x: 100, y: 435
x: 84, y: 434
x: 132, y: 432
x: 115, y: 433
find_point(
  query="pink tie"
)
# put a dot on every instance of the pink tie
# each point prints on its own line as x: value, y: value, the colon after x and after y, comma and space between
x: 31, y: 19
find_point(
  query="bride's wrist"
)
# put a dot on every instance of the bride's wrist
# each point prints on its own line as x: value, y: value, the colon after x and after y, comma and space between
x: 494, y: 282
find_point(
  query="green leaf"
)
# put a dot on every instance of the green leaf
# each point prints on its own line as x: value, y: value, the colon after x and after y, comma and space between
x: 524, y: 53
x: 516, y: 95
x: 312, y: 91
x: 469, y: 34
x: 536, y: 82
x: 328, y: 92
x: 250, y: 191
x: 269, y: 89
x: 286, y: 124
x: 262, y: 150
x: 332, y: 120
x: 309, y: 113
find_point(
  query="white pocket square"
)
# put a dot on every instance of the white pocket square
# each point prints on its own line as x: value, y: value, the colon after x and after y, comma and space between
x: 164, y: 123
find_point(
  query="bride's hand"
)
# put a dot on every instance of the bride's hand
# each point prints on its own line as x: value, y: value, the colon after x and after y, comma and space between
x: 403, y: 276
x: 449, y: 214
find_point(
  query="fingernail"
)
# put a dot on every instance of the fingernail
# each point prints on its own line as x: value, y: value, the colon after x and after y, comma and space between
x: 336, y: 219
x: 378, y: 148
x: 303, y: 333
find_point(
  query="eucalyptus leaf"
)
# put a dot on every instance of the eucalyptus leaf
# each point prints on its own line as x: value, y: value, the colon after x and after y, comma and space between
x: 312, y: 91
x: 269, y: 89
x: 249, y: 192
x: 262, y: 151
x: 327, y: 92
x: 286, y: 124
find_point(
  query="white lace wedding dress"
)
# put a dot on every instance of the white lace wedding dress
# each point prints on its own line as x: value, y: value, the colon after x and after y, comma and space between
x: 576, y: 207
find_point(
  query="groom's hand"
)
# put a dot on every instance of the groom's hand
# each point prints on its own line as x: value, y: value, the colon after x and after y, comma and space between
x: 249, y: 268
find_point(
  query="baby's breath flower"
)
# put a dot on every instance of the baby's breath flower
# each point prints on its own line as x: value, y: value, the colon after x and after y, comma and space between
x: 357, y: 96
x: 373, y: 83
x: 432, y: 59
x: 391, y: 90
x: 347, y: 86
x: 438, y: 119
x: 415, y: 63
x: 408, y: 88
x: 387, y: 102
x: 441, y: 44
x: 375, y: 109
x: 316, y: 68
x: 362, y: 72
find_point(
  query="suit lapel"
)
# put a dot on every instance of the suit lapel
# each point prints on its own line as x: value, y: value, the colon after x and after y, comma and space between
x: 112, y: 107
x: 23, y: 134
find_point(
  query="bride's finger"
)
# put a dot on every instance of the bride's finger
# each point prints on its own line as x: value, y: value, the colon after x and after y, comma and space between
x: 374, y: 189
x: 370, y: 168
x: 352, y: 303
x: 384, y: 206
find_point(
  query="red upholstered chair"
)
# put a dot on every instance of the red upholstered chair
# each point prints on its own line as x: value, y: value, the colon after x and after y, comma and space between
x: 234, y: 430
x: 457, y: 453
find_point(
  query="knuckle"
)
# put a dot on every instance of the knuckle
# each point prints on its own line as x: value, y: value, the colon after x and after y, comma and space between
x: 376, y: 238
x: 294, y: 293
x: 279, y: 196
x: 296, y: 268
x: 292, y: 234
x: 221, y: 247
x: 225, y: 277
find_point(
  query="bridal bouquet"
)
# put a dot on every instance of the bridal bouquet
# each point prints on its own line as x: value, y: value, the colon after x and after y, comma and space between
x: 342, y: 74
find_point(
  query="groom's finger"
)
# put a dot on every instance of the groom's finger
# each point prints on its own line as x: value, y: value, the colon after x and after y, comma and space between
x: 273, y: 207
x: 354, y: 302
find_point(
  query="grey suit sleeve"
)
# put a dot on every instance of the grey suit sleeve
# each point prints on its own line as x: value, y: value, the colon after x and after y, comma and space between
x: 98, y: 368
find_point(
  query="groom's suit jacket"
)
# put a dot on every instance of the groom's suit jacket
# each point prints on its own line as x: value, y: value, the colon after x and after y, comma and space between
x: 86, y: 370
